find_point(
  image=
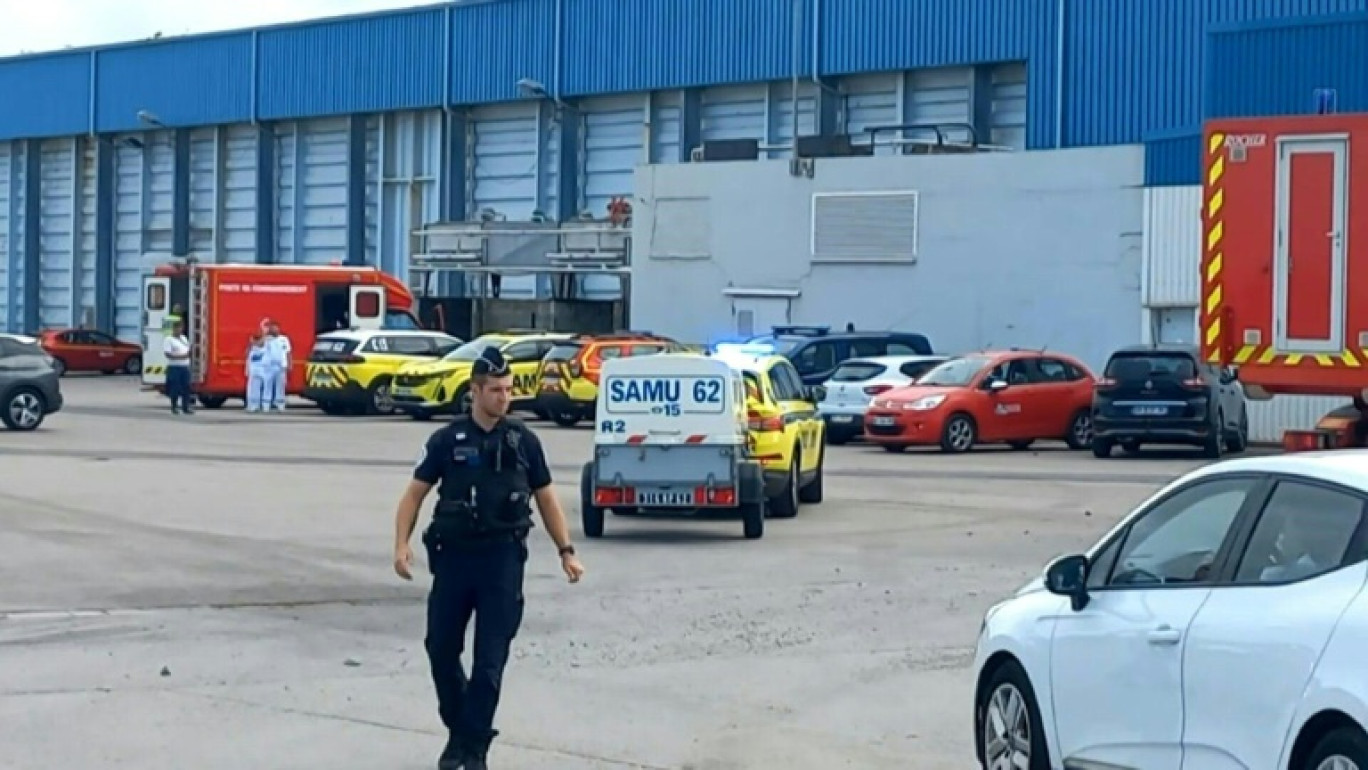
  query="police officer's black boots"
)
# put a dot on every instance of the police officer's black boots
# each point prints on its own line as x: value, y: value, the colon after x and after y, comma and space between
x: 476, y: 751
x: 454, y: 755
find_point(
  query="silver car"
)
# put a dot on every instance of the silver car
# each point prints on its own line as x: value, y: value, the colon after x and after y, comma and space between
x: 30, y: 388
x: 857, y: 381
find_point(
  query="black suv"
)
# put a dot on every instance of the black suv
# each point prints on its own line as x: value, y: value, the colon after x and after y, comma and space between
x: 816, y: 351
x: 1166, y: 394
x: 30, y: 388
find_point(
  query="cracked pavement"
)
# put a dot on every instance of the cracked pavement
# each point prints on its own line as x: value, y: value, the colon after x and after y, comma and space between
x: 216, y: 592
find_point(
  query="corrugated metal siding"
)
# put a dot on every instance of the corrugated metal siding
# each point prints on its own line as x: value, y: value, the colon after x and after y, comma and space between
x: 1010, y: 111
x: 495, y: 44
x: 1174, y: 159
x: 85, y: 228
x: 312, y: 192
x: 734, y: 112
x: 10, y: 276
x: 872, y: 101
x: 659, y: 43
x: 54, y: 90
x: 142, y: 220
x: 511, y: 159
x: 204, y: 178
x: 779, y: 113
x: 236, y: 191
x: 1172, y: 246
x: 360, y: 65
x: 1293, y: 61
x: 613, y: 144
x: 406, y: 182
x: 57, y: 229
x: 1268, y: 419
x: 891, y: 35
x: 667, y: 126
x: 183, y: 82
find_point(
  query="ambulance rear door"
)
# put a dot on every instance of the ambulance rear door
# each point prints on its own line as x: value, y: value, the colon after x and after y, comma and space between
x: 156, y: 306
x: 366, y: 306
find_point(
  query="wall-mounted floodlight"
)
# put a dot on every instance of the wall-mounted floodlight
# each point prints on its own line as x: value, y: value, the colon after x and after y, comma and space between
x: 150, y: 119
x: 535, y: 89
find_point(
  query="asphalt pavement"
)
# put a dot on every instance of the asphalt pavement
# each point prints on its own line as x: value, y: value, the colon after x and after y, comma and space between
x: 215, y: 591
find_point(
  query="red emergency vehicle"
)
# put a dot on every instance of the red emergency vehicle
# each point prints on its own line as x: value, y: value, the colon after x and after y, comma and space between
x: 223, y: 305
x: 1284, y: 271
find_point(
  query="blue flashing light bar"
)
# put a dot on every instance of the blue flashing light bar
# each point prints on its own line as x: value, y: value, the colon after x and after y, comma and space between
x: 743, y: 349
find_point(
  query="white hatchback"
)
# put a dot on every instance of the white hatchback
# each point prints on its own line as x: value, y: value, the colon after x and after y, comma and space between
x: 1223, y: 624
x: 857, y: 381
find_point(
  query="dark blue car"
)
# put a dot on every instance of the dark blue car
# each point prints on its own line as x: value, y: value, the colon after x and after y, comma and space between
x: 816, y: 351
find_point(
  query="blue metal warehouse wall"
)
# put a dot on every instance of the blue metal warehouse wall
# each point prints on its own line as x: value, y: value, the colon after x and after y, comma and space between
x: 1261, y: 64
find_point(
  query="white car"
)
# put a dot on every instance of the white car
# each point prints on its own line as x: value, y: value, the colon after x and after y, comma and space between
x: 857, y: 381
x: 1223, y: 624
x: 21, y: 338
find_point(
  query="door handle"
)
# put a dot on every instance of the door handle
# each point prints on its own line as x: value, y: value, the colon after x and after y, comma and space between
x: 1165, y: 635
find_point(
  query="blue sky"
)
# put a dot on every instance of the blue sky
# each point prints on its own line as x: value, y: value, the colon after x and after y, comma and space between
x: 43, y: 25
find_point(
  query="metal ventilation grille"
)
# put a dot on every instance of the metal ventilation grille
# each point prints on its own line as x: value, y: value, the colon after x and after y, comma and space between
x: 864, y: 227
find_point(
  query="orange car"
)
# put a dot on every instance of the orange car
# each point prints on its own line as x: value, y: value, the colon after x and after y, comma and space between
x: 86, y: 350
x: 568, y: 389
x: 1014, y: 397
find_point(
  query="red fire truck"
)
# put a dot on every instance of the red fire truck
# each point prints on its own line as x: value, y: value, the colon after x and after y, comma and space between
x: 1284, y: 281
x: 223, y: 305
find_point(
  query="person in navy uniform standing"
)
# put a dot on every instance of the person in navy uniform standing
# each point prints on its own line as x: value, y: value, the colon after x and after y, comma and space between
x: 490, y: 468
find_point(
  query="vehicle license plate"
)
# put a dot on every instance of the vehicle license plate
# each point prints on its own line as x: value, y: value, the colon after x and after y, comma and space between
x: 1149, y: 411
x: 842, y: 418
x: 666, y: 498
x: 884, y: 421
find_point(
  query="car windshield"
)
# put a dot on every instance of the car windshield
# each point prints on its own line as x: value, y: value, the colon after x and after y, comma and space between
x: 472, y: 350
x: 1141, y: 366
x: 398, y: 319
x: 857, y: 371
x: 955, y: 373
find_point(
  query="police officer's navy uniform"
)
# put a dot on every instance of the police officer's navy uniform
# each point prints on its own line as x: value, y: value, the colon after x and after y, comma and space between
x: 477, y: 551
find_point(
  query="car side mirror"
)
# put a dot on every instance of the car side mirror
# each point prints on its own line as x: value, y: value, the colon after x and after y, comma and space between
x: 996, y: 385
x: 1229, y: 375
x: 1068, y: 576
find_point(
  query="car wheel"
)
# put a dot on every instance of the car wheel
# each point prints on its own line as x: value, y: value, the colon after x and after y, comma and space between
x: 1345, y: 748
x: 753, y: 520
x: 1080, y: 431
x: 463, y: 399
x: 24, y: 410
x: 1010, y: 733
x: 959, y: 435
x: 591, y: 516
x: 1215, y: 440
x: 381, y: 397
x: 133, y: 365
x: 1240, y: 441
x: 1101, y: 448
x: 785, y: 505
x: 812, y: 492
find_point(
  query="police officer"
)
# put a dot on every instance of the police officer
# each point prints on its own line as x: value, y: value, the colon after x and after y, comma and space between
x: 490, y: 468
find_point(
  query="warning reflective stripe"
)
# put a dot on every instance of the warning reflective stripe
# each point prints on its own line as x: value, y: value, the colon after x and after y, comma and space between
x: 639, y: 438
x: 1212, y: 258
x: 695, y: 439
x: 1252, y: 354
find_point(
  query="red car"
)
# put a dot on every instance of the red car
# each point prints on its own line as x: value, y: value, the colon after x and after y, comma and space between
x: 86, y: 350
x: 1013, y: 397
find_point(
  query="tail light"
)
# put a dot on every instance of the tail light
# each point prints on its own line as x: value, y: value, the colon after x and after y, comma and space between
x: 874, y: 390
x: 1195, y: 383
x: 765, y: 424
x: 609, y: 496
x: 1106, y: 383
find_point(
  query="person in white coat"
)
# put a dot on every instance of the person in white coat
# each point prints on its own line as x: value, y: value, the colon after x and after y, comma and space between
x: 278, y: 357
x: 258, y: 375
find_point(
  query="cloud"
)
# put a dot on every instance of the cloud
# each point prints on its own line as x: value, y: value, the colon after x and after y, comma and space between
x: 33, y: 26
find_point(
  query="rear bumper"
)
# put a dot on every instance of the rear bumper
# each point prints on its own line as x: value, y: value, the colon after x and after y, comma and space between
x: 843, y: 420
x: 555, y: 402
x: 1167, y: 431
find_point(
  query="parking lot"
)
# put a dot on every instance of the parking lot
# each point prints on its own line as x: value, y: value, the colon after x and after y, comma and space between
x: 216, y: 591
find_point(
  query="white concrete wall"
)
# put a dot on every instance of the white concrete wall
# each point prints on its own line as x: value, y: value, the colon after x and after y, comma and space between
x: 1028, y: 249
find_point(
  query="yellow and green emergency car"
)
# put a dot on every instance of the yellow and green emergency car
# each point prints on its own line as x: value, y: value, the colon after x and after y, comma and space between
x: 424, y: 389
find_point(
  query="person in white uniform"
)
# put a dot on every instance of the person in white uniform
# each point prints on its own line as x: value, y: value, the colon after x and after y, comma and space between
x: 278, y: 357
x: 258, y: 376
x: 176, y: 347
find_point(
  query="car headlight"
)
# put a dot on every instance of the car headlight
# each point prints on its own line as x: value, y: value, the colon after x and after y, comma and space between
x: 923, y: 404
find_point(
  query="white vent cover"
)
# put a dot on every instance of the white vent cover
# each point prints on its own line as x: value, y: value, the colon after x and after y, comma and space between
x: 864, y: 226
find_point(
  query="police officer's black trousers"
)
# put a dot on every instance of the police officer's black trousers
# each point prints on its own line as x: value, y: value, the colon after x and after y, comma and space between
x: 486, y: 580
